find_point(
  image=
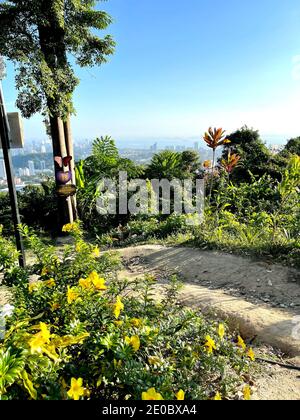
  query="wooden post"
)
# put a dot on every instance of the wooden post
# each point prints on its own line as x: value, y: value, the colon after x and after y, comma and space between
x: 4, y: 134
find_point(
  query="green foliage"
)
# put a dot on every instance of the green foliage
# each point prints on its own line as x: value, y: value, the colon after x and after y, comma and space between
x: 11, y: 368
x: 78, y: 324
x: 292, y: 147
x: 170, y: 165
x: 145, y: 228
x: 255, y: 157
x: 38, y: 36
x: 105, y: 162
x: 8, y: 253
x: 37, y: 205
x: 261, y: 217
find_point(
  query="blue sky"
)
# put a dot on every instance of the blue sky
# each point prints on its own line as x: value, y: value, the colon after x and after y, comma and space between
x: 183, y: 65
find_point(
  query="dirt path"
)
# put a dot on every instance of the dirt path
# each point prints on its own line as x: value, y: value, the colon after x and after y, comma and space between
x: 261, y: 299
x: 254, y: 281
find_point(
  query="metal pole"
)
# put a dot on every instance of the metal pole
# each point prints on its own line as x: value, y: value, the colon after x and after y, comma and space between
x: 4, y: 134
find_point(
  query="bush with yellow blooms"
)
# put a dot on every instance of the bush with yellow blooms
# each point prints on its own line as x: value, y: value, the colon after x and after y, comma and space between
x: 79, y: 332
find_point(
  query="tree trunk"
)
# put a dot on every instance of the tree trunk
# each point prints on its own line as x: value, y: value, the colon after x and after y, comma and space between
x: 65, y: 213
x: 70, y: 151
x: 51, y: 38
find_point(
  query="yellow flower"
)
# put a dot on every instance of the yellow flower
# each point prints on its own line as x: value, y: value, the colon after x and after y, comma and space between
x: 98, y: 282
x: 76, y: 391
x: 67, y: 228
x: 71, y: 228
x: 134, y: 342
x: 96, y: 252
x: 251, y: 355
x: 241, y: 343
x: 247, y: 393
x: 49, y: 283
x: 151, y: 395
x: 217, y: 397
x: 221, y: 331
x: 36, y: 343
x: 180, y: 395
x: 118, y: 307
x: 136, y: 322
x: 85, y: 283
x: 210, y: 344
x: 41, y: 338
x: 118, y: 323
x: 45, y: 331
x: 72, y: 295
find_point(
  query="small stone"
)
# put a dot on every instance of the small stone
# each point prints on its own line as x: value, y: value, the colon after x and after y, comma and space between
x: 270, y: 283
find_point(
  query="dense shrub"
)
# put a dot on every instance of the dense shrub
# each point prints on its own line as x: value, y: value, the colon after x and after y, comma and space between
x: 37, y: 206
x: 8, y: 253
x: 78, y: 332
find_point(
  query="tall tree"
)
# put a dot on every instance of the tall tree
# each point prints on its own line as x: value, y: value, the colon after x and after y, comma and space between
x: 39, y: 36
x: 292, y: 147
x: 254, y: 154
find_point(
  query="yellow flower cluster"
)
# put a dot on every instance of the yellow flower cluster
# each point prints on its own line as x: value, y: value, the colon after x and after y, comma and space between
x: 118, y: 307
x: 250, y: 353
x: 210, y: 344
x: 45, y: 342
x: 71, y: 228
x: 134, y: 342
x: 72, y: 295
x: 93, y: 281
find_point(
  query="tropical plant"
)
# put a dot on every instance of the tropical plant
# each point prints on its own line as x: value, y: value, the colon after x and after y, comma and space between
x: 165, y: 165
x: 214, y: 138
x: 230, y: 163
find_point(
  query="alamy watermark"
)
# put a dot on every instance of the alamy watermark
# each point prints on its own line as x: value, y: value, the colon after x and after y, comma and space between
x: 150, y: 197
